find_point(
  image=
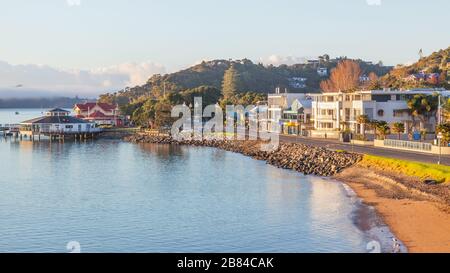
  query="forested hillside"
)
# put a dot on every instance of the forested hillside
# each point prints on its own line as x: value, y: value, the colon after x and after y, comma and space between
x: 250, y: 77
x: 430, y: 71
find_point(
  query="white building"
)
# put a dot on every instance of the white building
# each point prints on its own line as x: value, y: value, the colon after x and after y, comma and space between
x: 57, y: 122
x: 277, y: 103
x: 297, y: 82
x: 296, y: 120
x: 333, y: 112
x: 322, y: 71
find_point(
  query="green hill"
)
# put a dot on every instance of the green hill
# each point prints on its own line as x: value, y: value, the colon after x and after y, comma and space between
x: 253, y: 77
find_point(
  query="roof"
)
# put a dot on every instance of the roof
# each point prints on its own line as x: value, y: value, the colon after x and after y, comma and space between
x: 97, y: 114
x: 386, y: 92
x: 305, y: 103
x: 259, y: 109
x: 90, y: 105
x: 54, y: 120
x: 58, y: 110
x: 298, y: 104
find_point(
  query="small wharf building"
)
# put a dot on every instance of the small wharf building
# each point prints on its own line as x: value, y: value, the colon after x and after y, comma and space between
x: 57, y: 123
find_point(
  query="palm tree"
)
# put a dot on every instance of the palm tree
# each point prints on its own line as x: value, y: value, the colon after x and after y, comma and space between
x: 423, y: 107
x: 362, y: 120
x: 373, y: 125
x: 445, y: 130
x: 398, y: 128
x: 382, y: 129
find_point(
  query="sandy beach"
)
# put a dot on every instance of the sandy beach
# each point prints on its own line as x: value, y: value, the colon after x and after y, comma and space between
x: 417, y: 214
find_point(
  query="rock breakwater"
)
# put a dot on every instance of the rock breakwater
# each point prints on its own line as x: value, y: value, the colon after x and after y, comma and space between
x: 309, y: 160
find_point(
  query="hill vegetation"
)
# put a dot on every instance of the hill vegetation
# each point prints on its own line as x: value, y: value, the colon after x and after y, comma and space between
x: 437, y: 63
x: 247, y: 77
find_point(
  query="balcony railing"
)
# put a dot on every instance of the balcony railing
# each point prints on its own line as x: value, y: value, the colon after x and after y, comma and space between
x: 326, y: 117
x: 62, y: 131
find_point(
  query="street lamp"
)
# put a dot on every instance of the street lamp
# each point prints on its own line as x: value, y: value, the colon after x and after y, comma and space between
x: 440, y: 136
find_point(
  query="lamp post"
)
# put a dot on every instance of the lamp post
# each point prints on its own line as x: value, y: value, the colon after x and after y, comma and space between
x: 440, y: 136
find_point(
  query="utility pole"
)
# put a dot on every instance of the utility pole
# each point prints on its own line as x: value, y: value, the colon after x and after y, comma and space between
x: 440, y: 137
x: 440, y: 110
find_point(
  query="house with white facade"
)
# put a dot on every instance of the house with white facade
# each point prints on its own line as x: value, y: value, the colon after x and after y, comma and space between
x: 278, y: 103
x: 334, y: 112
x: 296, y: 120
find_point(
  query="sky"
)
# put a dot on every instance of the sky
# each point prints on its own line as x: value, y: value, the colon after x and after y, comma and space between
x: 87, y: 47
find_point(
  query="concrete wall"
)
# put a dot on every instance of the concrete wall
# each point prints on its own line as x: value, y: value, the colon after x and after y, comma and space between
x: 321, y: 134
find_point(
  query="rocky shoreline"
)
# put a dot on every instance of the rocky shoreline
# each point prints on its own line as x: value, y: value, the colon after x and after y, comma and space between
x: 305, y: 159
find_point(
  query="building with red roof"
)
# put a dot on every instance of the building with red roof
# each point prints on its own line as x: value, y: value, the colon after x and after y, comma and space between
x: 100, y: 113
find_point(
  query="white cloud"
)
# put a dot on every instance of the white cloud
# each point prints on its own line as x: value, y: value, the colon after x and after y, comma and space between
x: 72, y: 3
x: 373, y: 2
x: 278, y: 60
x: 82, y: 82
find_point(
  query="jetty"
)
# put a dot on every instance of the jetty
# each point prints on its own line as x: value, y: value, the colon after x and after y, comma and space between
x: 9, y: 129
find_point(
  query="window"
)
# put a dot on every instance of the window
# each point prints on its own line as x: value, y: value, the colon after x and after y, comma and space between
x: 369, y: 112
x: 380, y: 113
x: 401, y: 113
x: 382, y: 98
x: 69, y: 126
x: 367, y: 97
x: 327, y: 125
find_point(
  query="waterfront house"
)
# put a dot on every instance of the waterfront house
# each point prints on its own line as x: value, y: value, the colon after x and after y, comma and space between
x: 99, y: 113
x: 280, y: 102
x: 334, y: 112
x: 296, y: 120
x: 57, y: 122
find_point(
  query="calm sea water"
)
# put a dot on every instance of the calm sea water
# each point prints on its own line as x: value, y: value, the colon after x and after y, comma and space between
x: 9, y: 116
x: 112, y: 196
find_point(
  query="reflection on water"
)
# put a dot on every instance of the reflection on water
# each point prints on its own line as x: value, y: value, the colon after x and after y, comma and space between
x: 119, y: 197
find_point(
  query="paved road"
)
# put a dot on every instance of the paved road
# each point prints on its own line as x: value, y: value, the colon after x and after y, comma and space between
x: 336, y: 145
